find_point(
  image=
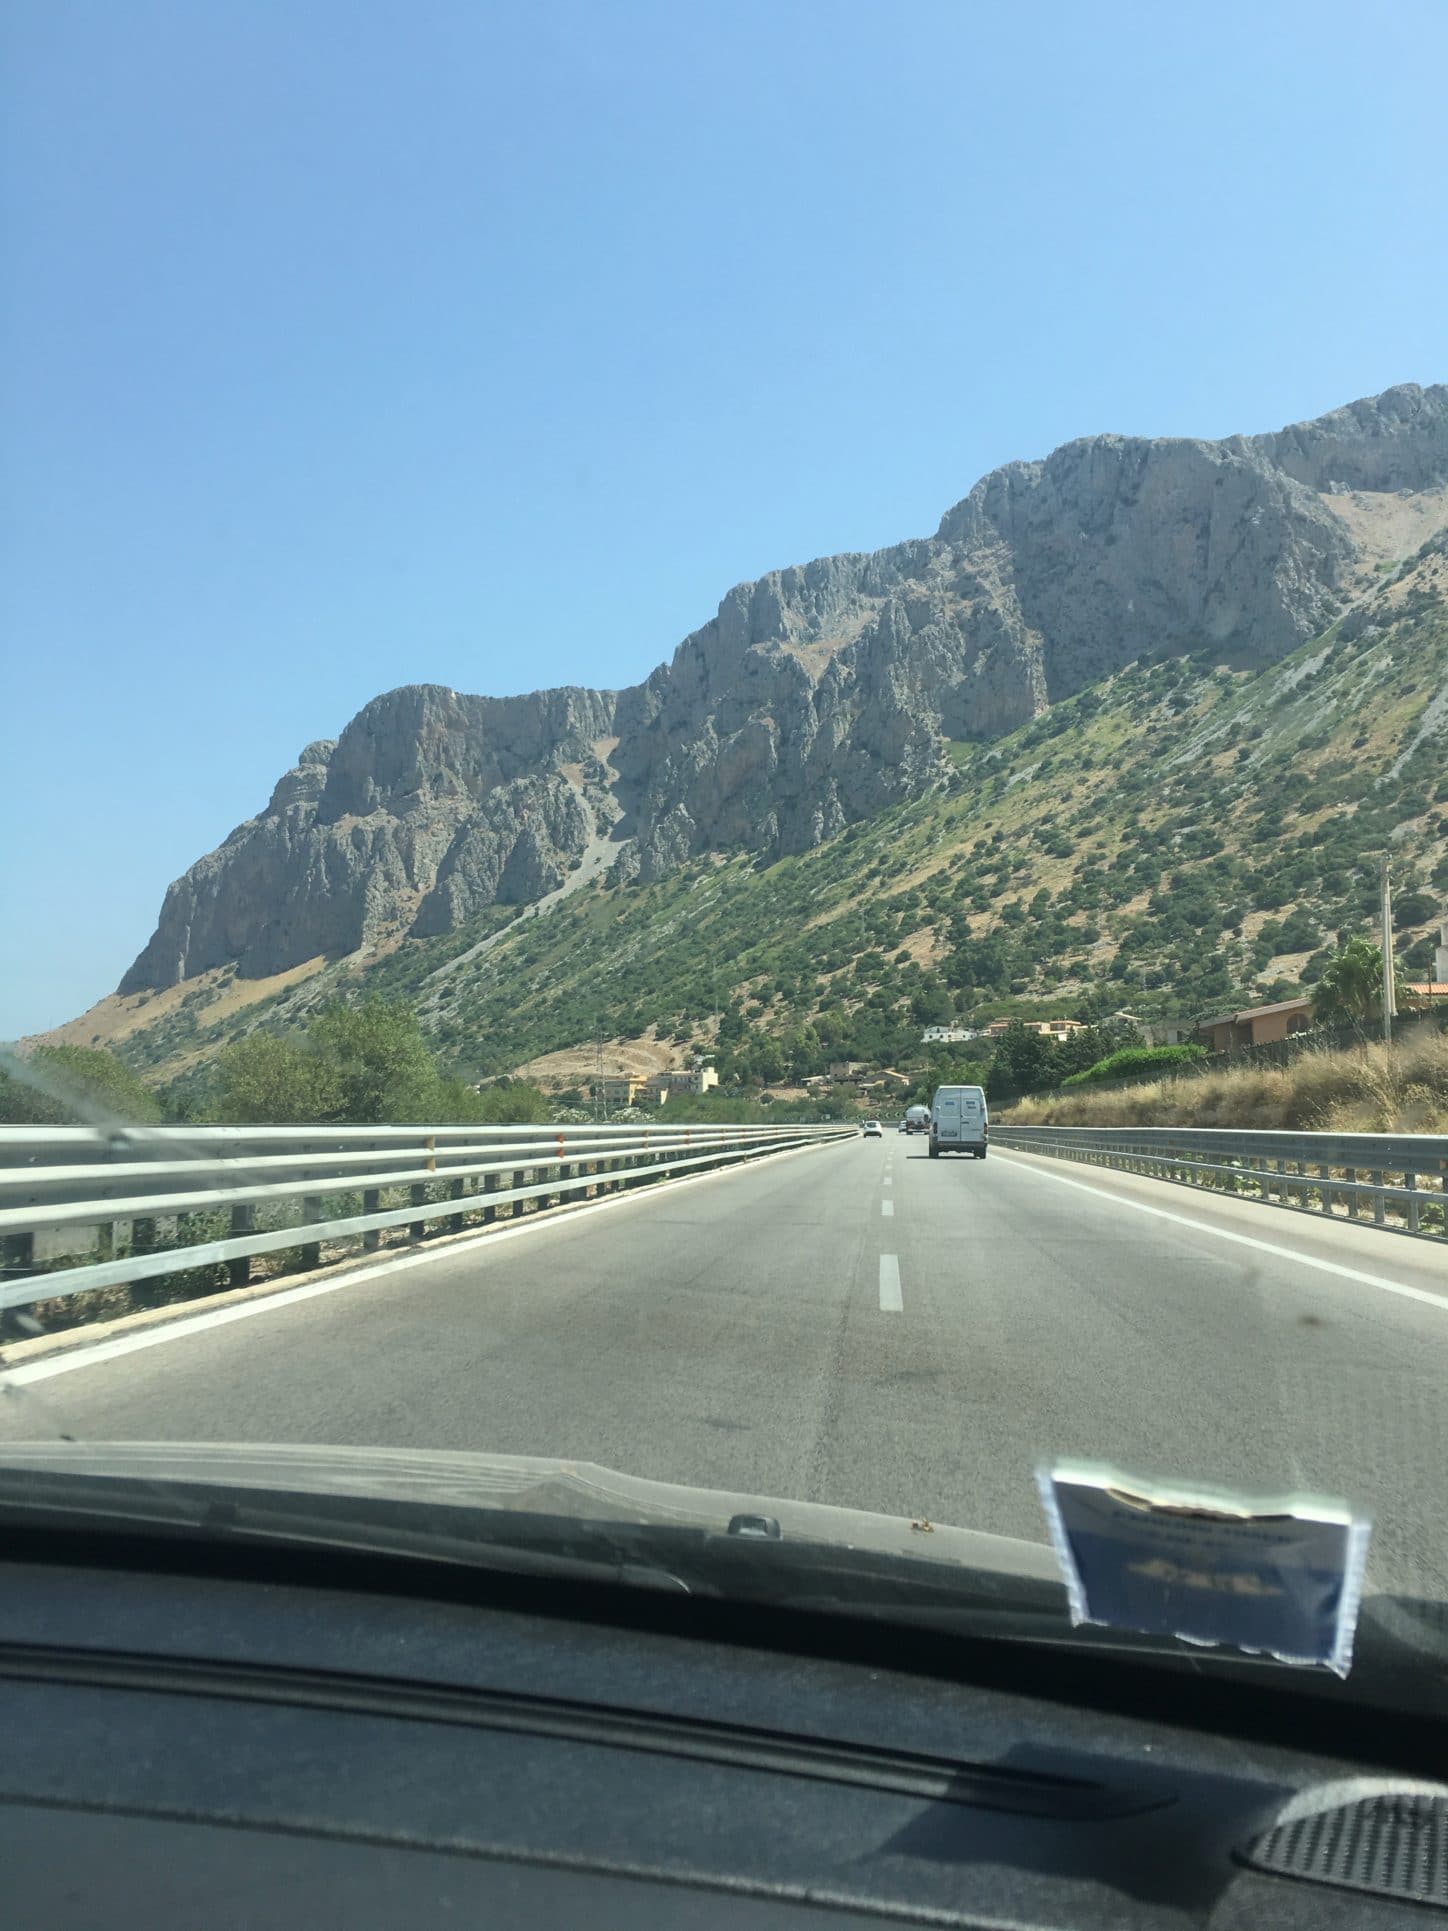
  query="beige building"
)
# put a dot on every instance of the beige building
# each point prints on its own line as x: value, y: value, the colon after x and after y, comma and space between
x: 1049, y: 1028
x: 698, y: 1078
x: 1258, y: 1025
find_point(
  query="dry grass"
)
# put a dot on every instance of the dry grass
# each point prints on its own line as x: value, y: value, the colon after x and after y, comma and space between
x: 1386, y: 527
x: 118, y: 1015
x: 575, y: 1065
x: 1375, y: 1088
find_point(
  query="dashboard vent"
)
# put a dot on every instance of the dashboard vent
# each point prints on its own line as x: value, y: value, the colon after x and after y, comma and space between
x: 1390, y: 1839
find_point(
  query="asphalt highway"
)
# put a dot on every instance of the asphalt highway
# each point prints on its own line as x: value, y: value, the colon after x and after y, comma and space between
x: 861, y: 1325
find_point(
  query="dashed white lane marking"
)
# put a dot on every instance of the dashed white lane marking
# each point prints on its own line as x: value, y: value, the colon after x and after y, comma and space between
x: 892, y: 1301
x: 1245, y: 1240
x: 888, y: 1181
x: 887, y: 1208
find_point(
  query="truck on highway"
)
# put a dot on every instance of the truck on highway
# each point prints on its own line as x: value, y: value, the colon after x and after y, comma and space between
x: 917, y: 1119
x: 959, y: 1121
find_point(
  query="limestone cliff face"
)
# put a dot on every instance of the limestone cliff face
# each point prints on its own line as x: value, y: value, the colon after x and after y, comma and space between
x: 813, y: 697
x: 1395, y: 441
x: 430, y: 806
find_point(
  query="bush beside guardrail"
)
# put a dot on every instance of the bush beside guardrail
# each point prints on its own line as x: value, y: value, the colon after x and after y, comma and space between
x: 1135, y: 1062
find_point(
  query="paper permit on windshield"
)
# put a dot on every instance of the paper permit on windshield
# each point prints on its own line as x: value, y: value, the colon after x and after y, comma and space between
x: 1277, y: 1576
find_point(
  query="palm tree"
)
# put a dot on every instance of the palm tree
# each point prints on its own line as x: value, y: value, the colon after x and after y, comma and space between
x: 1350, y: 991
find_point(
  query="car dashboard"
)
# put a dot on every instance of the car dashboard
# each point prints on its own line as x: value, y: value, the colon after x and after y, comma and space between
x: 325, y: 1742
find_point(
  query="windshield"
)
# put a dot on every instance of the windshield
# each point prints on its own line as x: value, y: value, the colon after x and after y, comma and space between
x: 968, y: 1001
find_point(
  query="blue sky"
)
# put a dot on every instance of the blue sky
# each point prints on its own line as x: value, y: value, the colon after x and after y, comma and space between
x: 349, y: 345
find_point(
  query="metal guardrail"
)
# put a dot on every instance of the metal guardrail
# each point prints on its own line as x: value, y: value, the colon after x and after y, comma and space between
x: 1396, y: 1181
x: 158, y: 1202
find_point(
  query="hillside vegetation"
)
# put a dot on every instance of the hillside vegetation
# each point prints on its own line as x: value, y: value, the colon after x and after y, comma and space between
x: 1181, y: 837
x: 1373, y: 1088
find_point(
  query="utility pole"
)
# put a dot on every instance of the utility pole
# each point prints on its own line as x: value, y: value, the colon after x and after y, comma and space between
x: 1390, y: 991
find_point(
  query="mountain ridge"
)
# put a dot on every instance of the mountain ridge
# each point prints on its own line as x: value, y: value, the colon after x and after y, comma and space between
x: 816, y: 696
x: 1182, y: 837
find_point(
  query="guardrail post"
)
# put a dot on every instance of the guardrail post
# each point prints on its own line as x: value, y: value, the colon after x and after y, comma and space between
x: 417, y: 1229
x: 19, y: 1252
x: 1325, y: 1175
x: 1350, y: 1177
x: 371, y: 1204
x: 1380, y: 1211
x: 1410, y: 1181
x: 490, y: 1185
x: 455, y: 1221
x: 518, y: 1207
x: 243, y: 1221
x: 311, y: 1249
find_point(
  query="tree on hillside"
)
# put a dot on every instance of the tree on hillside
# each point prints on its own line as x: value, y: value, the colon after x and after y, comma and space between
x: 1077, y: 1051
x: 1350, y: 991
x: 1023, y: 1063
x: 264, y: 1080
x: 511, y: 1102
x: 932, y: 1006
x: 364, y: 1064
x: 73, y: 1085
x: 379, y: 1066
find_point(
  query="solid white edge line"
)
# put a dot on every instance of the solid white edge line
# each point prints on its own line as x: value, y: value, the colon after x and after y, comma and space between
x: 1241, y: 1240
x: 892, y: 1301
x: 887, y: 1208
x: 178, y: 1330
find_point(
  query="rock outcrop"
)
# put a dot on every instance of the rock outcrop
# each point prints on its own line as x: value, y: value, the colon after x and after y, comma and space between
x: 429, y: 806
x: 813, y: 698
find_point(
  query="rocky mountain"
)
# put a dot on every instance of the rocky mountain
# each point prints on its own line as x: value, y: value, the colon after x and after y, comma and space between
x: 429, y: 806
x: 818, y: 695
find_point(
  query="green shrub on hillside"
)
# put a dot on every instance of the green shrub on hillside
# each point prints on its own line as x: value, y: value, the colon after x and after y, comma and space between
x: 1137, y: 1059
x: 365, y: 1065
x: 73, y: 1086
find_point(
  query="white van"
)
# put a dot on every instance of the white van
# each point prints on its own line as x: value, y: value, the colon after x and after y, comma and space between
x: 959, y: 1122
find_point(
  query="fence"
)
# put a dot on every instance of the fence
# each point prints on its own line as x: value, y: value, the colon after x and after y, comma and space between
x: 170, y: 1212
x: 1395, y: 1181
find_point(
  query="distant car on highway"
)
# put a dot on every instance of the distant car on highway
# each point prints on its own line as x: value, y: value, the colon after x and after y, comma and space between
x: 874, y: 1130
